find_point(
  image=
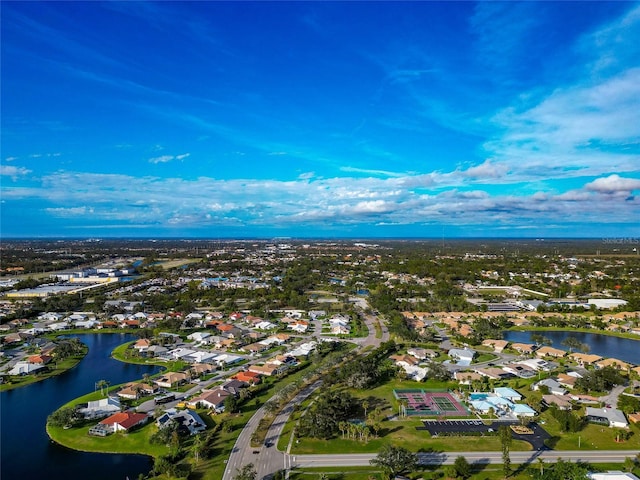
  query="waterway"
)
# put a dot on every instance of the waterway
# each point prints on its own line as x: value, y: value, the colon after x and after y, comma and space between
x: 604, y: 345
x: 25, y: 449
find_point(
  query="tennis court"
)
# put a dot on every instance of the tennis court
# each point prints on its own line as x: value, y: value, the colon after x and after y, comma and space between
x: 430, y: 403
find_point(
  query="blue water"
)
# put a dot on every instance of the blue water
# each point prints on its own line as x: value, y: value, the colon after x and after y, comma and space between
x: 478, y: 396
x: 27, y: 452
x: 604, y: 345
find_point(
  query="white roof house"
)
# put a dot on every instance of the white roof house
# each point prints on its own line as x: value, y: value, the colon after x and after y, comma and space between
x: 24, y: 368
x: 612, y: 475
x: 615, y: 418
x: 101, y: 408
x: 463, y: 356
x: 507, y: 393
x: 265, y: 326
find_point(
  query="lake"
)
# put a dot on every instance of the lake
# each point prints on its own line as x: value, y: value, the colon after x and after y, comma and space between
x: 27, y: 451
x: 604, y: 345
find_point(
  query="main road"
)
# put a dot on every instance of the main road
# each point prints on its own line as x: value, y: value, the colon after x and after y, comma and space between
x: 448, y: 458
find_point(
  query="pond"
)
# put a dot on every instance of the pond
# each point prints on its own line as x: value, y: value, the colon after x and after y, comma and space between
x: 604, y: 345
x: 27, y: 451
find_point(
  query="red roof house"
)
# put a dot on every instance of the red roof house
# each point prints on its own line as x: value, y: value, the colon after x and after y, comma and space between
x: 123, y: 421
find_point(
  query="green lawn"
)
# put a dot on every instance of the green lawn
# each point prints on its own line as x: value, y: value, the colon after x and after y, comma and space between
x: 53, y: 370
x: 591, y: 437
x: 400, y: 432
x: 137, y: 441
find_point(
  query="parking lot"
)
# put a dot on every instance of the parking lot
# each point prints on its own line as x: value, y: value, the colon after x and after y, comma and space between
x: 447, y: 427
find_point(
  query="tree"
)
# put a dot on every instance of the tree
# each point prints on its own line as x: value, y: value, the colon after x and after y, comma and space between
x: 102, y: 384
x: 248, y: 472
x: 505, y: 442
x: 231, y: 404
x: 395, y: 460
x: 462, y: 467
x: 541, y: 463
x: 572, y: 343
x: 62, y: 417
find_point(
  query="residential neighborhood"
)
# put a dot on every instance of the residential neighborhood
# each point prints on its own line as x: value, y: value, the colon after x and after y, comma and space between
x: 244, y: 329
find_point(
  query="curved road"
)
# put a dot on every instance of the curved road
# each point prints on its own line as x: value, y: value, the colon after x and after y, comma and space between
x: 267, y: 459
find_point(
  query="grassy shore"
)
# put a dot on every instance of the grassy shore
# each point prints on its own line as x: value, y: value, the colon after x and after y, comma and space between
x: 57, y: 368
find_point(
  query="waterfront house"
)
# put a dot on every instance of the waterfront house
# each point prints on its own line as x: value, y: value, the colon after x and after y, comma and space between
x: 124, y: 421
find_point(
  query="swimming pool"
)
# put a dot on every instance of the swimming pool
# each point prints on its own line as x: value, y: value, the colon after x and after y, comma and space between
x: 478, y: 396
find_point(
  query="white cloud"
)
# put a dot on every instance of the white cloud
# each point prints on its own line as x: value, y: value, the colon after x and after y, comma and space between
x: 320, y: 202
x: 588, y: 128
x: 161, y: 159
x: 13, y: 171
x: 168, y: 158
x: 614, y: 184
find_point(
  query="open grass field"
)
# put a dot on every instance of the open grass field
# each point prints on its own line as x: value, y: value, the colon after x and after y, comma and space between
x: 177, y: 262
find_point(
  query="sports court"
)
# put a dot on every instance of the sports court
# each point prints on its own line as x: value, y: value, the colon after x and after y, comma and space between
x: 430, y: 403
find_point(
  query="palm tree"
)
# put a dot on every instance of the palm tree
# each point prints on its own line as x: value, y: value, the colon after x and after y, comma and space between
x: 102, y: 384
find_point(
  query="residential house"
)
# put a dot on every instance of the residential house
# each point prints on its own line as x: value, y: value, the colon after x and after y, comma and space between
x: 566, y: 380
x: 467, y: 378
x: 524, y: 348
x: 563, y: 402
x: 254, y: 348
x: 519, y: 370
x: 497, y: 345
x: 25, y: 368
x: 300, y: 326
x: 547, y: 351
x: 188, y: 421
x: 124, y: 421
x: 100, y: 408
x: 234, y: 386
x: 198, y: 337
x: 494, y: 373
x: 537, y: 364
x: 609, y: 416
x: 422, y: 353
x: 156, y: 351
x: 211, y: 399
x: 268, y: 369
x: 508, y: 393
x: 172, y: 379
x: 198, y: 369
x: 584, y: 359
x: 40, y: 359
x: 252, y: 378
x: 613, y: 362
x: 552, y: 386
x: 142, y: 345
x: 463, y: 356
x: 404, y: 360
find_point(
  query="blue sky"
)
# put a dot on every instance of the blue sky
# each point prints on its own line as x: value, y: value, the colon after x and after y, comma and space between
x: 320, y: 119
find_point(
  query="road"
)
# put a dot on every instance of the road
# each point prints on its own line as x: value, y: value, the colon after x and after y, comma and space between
x: 268, y: 459
x: 448, y: 458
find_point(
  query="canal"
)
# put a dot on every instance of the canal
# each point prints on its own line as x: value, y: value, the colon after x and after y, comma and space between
x: 604, y: 345
x: 27, y: 451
